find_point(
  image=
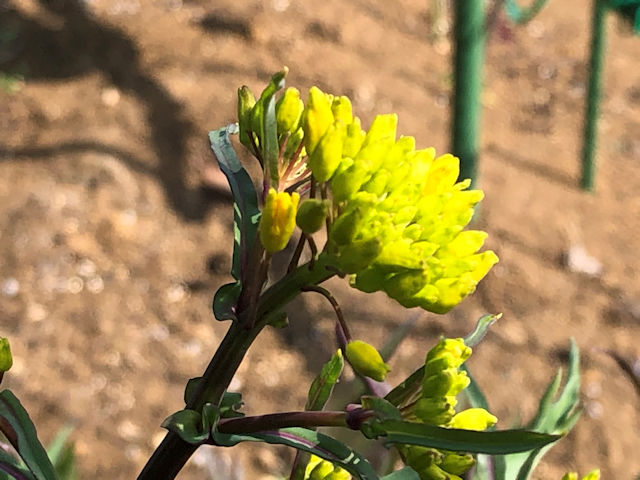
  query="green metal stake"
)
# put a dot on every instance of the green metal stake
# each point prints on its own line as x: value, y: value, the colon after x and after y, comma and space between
x: 593, y: 94
x: 469, y: 57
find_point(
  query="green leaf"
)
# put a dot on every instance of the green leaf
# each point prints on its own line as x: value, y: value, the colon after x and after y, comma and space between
x: 62, y: 455
x: 473, y: 392
x: 188, y: 425
x: 310, y: 441
x: 21, y: 433
x: 481, y: 329
x: 245, y: 201
x: 225, y: 301
x: 405, y: 390
x: 11, y: 468
x: 494, y: 443
x: 323, y: 384
x: 407, y: 473
x: 557, y: 417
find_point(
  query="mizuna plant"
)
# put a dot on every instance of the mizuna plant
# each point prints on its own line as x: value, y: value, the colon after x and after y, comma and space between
x: 365, y: 205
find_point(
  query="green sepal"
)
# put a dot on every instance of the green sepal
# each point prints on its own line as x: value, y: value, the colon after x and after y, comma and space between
x: 383, y: 409
x: 323, y: 384
x: 225, y: 301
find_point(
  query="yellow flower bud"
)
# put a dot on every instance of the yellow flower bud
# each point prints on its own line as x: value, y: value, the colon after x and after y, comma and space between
x: 278, y: 220
x: 473, y: 419
x: 353, y: 140
x: 570, y: 476
x: 457, y: 463
x: 383, y: 128
x: 592, y: 475
x: 312, y: 214
x: 6, y: 360
x: 435, y: 411
x: 366, y: 360
x: 327, y: 155
x: 316, y: 118
x: 420, y: 458
x: 338, y: 473
x: 321, y: 470
x: 341, y: 108
x: 452, y: 350
x: 444, y: 383
x: 289, y: 110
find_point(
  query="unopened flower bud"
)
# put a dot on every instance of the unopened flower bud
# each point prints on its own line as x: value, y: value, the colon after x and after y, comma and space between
x: 570, y: 476
x: 353, y: 139
x: 435, y: 411
x: 382, y: 128
x: 420, y: 458
x: 359, y: 254
x: 312, y: 214
x: 473, y: 419
x: 6, y: 360
x: 457, y: 463
x: 278, y: 219
x: 327, y: 155
x: 316, y: 119
x: 246, y: 101
x: 341, y: 108
x: 321, y: 470
x: 451, y: 353
x: 366, y: 360
x: 444, y: 383
x: 338, y: 473
x: 592, y: 475
x: 289, y: 110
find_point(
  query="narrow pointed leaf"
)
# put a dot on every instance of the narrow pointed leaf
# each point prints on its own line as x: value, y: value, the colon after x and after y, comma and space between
x: 11, y: 468
x: 310, y: 441
x: 410, y: 386
x: 20, y: 431
x: 62, y: 455
x: 473, y: 392
x: 481, y: 329
x: 323, y: 384
x: 245, y: 208
x: 494, y: 443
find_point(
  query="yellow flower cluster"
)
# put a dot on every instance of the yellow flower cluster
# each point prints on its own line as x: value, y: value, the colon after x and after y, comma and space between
x: 396, y: 214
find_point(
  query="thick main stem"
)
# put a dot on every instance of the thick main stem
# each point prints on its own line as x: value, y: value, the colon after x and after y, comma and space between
x: 172, y: 454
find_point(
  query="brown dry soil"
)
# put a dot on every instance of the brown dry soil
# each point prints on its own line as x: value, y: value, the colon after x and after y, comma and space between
x: 116, y: 230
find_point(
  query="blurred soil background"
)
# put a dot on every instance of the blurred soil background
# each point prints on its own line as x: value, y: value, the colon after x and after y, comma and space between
x: 115, y: 225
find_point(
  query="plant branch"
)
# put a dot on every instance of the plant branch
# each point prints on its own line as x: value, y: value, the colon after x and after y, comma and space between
x: 274, y: 421
x: 336, y: 307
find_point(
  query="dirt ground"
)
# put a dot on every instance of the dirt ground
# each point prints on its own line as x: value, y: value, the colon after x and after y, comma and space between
x: 114, y: 234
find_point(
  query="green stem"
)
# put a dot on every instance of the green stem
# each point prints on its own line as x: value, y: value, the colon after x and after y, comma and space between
x: 273, y: 421
x: 469, y: 57
x: 172, y: 454
x: 596, y: 63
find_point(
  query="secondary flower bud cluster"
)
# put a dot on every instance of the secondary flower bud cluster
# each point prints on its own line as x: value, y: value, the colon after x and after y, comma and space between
x: 442, y: 381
